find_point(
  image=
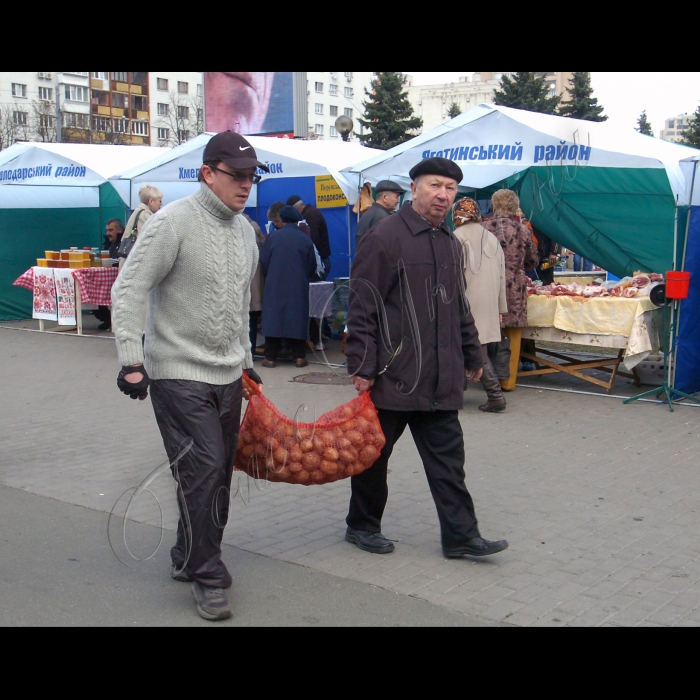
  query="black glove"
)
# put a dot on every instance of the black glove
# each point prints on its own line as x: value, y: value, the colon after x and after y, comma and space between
x: 139, y: 390
x: 253, y: 376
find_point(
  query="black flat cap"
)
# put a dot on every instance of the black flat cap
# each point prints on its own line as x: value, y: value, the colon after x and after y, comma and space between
x: 437, y: 166
x: 388, y: 186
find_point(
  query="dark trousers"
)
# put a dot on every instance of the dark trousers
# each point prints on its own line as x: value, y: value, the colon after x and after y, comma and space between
x: 103, y: 314
x: 273, y: 345
x: 440, y: 442
x: 210, y: 415
x: 254, y: 317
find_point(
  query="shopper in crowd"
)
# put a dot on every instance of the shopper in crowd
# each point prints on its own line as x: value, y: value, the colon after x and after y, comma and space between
x: 195, y: 260
x: 411, y: 341
x: 318, y: 230
x: 388, y: 198
x: 520, y: 253
x: 288, y: 263
x: 256, y: 289
x: 581, y: 264
x: 485, y: 276
x: 151, y: 199
x: 114, y: 230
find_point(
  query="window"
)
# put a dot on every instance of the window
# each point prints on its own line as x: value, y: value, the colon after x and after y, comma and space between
x: 334, y: 110
x: 333, y: 131
x: 75, y: 93
x: 183, y: 112
x: 163, y: 84
x: 163, y: 109
x: 348, y: 112
x: 163, y: 134
x: 139, y: 128
x: 121, y: 126
x: 348, y: 75
x: 139, y: 103
x: 332, y: 89
x: 101, y: 124
x: 319, y: 87
x: 349, y: 92
x: 100, y: 76
x: 318, y: 129
x: 183, y: 88
x: 318, y: 108
x: 138, y: 78
x: 120, y: 77
x: 100, y: 97
x: 19, y: 90
x: 120, y: 100
x: 46, y: 93
x: 19, y: 118
x: 46, y: 121
x: 184, y: 135
x: 200, y: 115
x: 200, y: 90
x: 75, y: 120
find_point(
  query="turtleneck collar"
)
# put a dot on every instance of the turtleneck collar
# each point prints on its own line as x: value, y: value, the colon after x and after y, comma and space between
x: 213, y: 204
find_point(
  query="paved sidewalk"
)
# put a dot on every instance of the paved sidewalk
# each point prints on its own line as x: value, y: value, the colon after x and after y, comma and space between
x: 600, y: 501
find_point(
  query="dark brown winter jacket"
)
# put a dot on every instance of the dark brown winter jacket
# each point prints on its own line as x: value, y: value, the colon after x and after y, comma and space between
x: 407, y: 302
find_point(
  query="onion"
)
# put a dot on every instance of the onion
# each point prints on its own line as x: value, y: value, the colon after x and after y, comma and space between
x: 331, y: 454
x: 295, y: 453
x: 311, y: 461
x: 346, y: 457
x: 280, y: 455
x: 247, y: 451
x: 328, y: 467
x: 355, y: 437
x: 348, y: 425
x: 306, y: 446
x: 369, y: 455
x: 302, y: 477
x: 344, y: 443
x: 295, y: 467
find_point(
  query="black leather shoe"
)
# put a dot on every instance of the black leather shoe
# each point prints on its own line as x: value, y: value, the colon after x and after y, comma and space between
x: 476, y: 547
x: 373, y: 542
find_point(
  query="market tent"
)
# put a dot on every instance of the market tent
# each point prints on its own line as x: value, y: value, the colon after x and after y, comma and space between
x: 609, y: 194
x: 296, y: 167
x: 54, y: 196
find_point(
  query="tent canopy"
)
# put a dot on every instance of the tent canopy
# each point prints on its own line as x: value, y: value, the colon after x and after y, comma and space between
x: 609, y: 194
x: 176, y: 171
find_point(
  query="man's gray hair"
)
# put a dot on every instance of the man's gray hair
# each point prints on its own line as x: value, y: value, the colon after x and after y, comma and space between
x: 118, y: 223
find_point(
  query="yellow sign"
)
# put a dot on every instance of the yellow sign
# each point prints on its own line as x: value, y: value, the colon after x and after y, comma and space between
x: 328, y: 193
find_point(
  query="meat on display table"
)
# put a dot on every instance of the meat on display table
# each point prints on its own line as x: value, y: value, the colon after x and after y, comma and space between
x: 59, y: 294
x: 628, y: 325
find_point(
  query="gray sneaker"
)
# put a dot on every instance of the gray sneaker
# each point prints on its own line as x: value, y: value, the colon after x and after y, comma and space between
x: 212, y: 603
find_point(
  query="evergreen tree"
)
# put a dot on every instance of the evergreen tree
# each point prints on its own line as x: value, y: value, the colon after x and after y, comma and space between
x: 527, y: 91
x: 691, y: 136
x: 582, y: 104
x: 388, y: 113
x: 644, y: 125
x: 454, y: 110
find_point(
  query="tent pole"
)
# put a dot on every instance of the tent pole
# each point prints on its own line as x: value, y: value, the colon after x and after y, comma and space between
x: 685, y: 253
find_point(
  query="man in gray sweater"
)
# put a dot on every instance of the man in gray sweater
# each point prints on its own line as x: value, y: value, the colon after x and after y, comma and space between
x: 195, y: 260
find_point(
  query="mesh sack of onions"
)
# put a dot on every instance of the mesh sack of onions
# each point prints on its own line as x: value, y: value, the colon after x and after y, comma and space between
x: 341, y: 443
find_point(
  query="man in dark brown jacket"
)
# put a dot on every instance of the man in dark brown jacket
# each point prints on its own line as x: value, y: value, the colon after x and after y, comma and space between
x: 411, y: 339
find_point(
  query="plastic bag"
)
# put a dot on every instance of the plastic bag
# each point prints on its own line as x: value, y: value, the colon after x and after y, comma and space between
x: 341, y: 443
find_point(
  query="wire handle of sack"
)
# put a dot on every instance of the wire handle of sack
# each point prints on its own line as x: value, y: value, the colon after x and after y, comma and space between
x: 392, y: 358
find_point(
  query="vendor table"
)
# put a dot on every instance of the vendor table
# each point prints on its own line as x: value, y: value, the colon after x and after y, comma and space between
x: 53, y: 300
x: 628, y: 325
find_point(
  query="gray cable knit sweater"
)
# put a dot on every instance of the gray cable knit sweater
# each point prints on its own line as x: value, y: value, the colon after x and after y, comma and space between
x: 195, y: 260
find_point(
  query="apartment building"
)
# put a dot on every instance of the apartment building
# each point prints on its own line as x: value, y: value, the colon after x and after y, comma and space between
x: 331, y: 95
x: 674, y: 127
x: 432, y: 102
x: 177, y: 107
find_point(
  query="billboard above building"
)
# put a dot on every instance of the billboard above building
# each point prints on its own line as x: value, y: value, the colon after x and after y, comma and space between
x: 249, y: 103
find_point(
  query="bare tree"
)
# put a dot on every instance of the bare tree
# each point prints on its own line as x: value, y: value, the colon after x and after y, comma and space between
x: 43, y: 121
x: 14, y: 125
x: 182, y: 118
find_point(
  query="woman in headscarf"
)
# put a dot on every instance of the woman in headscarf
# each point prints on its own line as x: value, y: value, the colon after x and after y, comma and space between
x: 288, y: 263
x: 485, y: 275
x: 520, y: 253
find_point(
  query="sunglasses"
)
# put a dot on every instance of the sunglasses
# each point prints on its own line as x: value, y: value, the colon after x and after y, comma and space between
x: 238, y: 176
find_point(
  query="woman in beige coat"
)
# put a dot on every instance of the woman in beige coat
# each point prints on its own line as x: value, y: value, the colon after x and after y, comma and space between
x: 485, y: 276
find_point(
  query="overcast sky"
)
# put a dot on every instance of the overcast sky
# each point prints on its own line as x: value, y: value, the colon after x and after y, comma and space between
x: 625, y: 95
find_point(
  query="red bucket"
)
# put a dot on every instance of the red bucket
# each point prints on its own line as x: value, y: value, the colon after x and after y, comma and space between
x: 677, y: 285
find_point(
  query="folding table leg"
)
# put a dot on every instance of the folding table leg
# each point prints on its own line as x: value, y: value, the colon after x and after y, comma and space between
x: 78, y: 308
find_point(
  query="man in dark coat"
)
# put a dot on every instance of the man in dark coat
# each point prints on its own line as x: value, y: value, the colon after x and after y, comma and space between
x: 288, y: 262
x: 388, y: 198
x: 411, y: 338
x: 114, y: 230
x: 319, y: 229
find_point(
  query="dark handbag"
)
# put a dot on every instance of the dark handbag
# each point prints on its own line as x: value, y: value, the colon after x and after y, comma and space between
x: 127, y: 244
x: 499, y: 354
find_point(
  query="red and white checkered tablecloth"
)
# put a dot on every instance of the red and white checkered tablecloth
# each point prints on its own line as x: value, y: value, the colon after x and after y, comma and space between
x: 95, y: 283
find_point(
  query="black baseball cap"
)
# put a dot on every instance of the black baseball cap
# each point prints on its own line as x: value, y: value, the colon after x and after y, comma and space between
x: 231, y: 148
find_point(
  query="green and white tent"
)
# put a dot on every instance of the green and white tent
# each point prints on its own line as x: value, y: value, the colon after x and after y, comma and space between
x: 54, y: 196
x: 612, y: 195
